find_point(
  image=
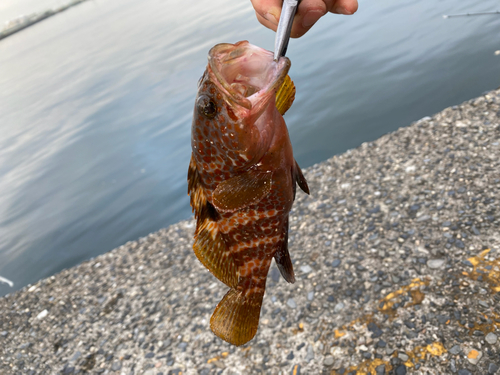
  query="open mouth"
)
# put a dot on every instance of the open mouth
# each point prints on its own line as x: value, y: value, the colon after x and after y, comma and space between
x: 244, y: 70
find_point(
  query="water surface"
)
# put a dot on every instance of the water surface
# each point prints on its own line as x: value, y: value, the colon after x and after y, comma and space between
x: 96, y: 103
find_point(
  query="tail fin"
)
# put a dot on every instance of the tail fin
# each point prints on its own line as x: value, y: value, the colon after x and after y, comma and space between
x: 236, y: 317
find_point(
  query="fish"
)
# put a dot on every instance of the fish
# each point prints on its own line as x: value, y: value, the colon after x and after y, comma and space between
x: 242, y: 179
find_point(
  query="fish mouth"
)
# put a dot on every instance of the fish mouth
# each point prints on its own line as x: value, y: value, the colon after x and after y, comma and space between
x: 246, y: 73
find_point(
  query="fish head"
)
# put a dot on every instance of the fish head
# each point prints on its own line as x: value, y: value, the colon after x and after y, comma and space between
x: 235, y: 105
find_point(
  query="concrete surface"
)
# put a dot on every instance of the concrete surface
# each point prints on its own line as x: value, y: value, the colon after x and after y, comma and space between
x: 393, y: 276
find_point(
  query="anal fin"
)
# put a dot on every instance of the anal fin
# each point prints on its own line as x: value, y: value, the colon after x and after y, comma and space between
x: 300, y: 179
x: 236, y: 317
x: 282, y: 258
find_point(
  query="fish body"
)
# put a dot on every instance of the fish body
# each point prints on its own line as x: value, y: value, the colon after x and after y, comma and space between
x: 241, y: 180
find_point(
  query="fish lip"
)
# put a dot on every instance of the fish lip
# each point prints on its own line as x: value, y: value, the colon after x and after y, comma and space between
x: 217, y: 56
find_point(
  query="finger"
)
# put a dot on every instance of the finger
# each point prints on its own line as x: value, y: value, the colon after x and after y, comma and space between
x: 268, y: 12
x: 346, y: 7
x: 308, y: 13
x: 273, y: 25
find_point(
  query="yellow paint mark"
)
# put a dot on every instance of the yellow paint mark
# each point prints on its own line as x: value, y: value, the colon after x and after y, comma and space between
x: 338, y: 334
x: 436, y: 349
x: 223, y: 355
x: 297, y: 330
x: 419, y: 353
x: 387, y: 303
x: 492, y: 325
x: 473, y: 354
x: 417, y: 296
x: 367, y: 367
x: 488, y: 270
x: 342, y: 331
x: 413, y: 289
x: 296, y: 370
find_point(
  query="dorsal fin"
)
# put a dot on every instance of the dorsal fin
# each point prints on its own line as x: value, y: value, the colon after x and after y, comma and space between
x: 209, y: 246
x: 242, y: 190
x: 285, y: 95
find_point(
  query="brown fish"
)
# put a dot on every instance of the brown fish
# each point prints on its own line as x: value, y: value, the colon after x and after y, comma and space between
x: 242, y: 179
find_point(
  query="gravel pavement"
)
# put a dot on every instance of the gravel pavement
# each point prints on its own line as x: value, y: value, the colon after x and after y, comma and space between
x: 397, y: 259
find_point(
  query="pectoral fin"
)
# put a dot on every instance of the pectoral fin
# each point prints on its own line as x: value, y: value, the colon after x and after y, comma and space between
x: 285, y: 95
x: 242, y: 190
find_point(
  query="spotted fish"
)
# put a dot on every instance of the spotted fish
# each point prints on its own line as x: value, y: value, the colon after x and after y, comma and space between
x: 242, y: 179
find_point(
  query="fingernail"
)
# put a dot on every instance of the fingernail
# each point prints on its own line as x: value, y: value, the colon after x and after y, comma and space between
x: 311, y: 18
x: 271, y: 18
x: 342, y: 10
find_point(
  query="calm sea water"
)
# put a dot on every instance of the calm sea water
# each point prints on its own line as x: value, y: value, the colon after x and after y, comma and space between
x: 96, y: 103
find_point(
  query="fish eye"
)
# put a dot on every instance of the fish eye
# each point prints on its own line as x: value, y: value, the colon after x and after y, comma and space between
x: 206, y: 106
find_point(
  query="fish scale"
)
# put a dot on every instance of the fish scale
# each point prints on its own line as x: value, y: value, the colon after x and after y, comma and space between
x: 241, y: 180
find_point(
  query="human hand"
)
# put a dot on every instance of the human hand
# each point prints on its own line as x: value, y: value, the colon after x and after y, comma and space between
x: 309, y: 12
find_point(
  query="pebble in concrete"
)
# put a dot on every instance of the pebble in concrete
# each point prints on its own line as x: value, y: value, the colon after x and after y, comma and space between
x: 306, y: 268
x: 455, y: 349
x: 491, y: 338
x: 310, y: 353
x: 493, y: 368
x: 328, y: 360
x: 436, y: 263
x: 310, y: 296
x: 338, y: 307
x: 291, y: 303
